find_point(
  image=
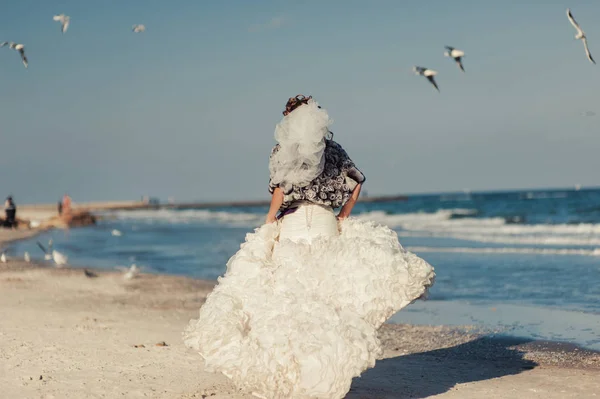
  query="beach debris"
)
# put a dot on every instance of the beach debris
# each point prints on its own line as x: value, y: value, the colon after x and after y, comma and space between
x: 138, y: 28
x: 3, y: 258
x: 58, y: 258
x: 139, y: 346
x: 41, y: 378
x: 580, y: 35
x: 162, y: 343
x: 428, y: 73
x: 116, y: 233
x: 26, y: 257
x: 89, y: 273
x: 20, y: 48
x: 456, y: 55
x: 64, y: 21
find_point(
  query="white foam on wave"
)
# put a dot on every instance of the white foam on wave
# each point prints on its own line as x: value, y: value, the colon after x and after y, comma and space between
x: 509, y: 250
x: 492, y: 230
x: 191, y: 216
x: 543, y: 195
x: 440, y: 224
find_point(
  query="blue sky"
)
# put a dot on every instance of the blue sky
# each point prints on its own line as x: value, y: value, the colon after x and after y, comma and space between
x: 188, y: 108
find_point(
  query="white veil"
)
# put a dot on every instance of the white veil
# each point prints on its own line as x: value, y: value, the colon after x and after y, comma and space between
x: 301, y: 137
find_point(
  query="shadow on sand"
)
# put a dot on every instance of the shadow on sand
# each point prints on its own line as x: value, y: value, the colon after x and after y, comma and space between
x: 420, y: 375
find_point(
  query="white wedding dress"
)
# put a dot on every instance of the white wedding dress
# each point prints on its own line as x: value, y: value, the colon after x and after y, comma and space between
x: 297, y: 312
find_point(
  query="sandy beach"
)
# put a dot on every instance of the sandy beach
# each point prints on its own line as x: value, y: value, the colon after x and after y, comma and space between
x: 66, y: 335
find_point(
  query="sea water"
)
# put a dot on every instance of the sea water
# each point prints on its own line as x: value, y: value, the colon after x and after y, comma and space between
x: 524, y: 263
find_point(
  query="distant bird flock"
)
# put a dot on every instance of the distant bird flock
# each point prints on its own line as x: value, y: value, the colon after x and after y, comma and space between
x: 64, y: 20
x: 451, y: 52
x: 457, y: 54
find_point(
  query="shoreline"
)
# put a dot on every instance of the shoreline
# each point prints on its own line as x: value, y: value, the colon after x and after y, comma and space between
x: 11, y: 236
x: 490, y: 320
x: 71, y: 330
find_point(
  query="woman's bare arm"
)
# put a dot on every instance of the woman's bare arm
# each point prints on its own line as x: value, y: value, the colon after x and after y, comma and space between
x: 347, y: 208
x: 276, y: 201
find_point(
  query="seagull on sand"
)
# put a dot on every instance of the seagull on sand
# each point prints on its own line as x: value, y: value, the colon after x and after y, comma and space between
x: 456, y: 55
x: 59, y: 258
x: 580, y: 35
x: 64, y: 21
x: 130, y: 272
x: 138, y: 28
x: 428, y: 73
x: 20, y: 48
x: 3, y: 258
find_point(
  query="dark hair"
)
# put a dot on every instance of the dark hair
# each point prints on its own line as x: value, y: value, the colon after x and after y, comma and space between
x: 295, y: 102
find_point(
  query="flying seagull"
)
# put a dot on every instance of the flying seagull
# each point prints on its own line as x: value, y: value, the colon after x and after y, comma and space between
x: 580, y: 35
x: 19, y: 47
x: 64, y: 21
x: 456, y: 55
x: 47, y: 252
x: 428, y: 73
x: 138, y: 28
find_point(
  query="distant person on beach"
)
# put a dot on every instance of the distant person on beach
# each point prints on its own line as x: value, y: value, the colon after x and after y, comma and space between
x: 10, y: 211
x: 60, y: 206
x: 66, y: 205
x: 296, y: 314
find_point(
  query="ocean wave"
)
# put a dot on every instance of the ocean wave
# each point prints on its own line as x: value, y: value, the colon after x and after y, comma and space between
x: 191, y: 216
x: 543, y: 195
x: 462, y: 224
x: 444, y: 223
x: 509, y: 250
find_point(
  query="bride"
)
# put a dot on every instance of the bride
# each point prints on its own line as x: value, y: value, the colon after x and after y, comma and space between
x: 297, y: 312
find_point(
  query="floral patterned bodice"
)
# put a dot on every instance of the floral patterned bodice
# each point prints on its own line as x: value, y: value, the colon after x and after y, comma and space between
x: 333, y: 187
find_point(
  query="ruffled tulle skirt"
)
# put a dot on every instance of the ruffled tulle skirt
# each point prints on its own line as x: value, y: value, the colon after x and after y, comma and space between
x: 297, y: 312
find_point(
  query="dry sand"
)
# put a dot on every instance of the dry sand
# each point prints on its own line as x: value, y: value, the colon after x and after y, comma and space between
x: 65, y: 335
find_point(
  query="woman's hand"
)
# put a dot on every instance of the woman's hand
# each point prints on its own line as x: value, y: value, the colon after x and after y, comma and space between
x: 340, y: 220
x: 347, y: 208
x: 276, y: 201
